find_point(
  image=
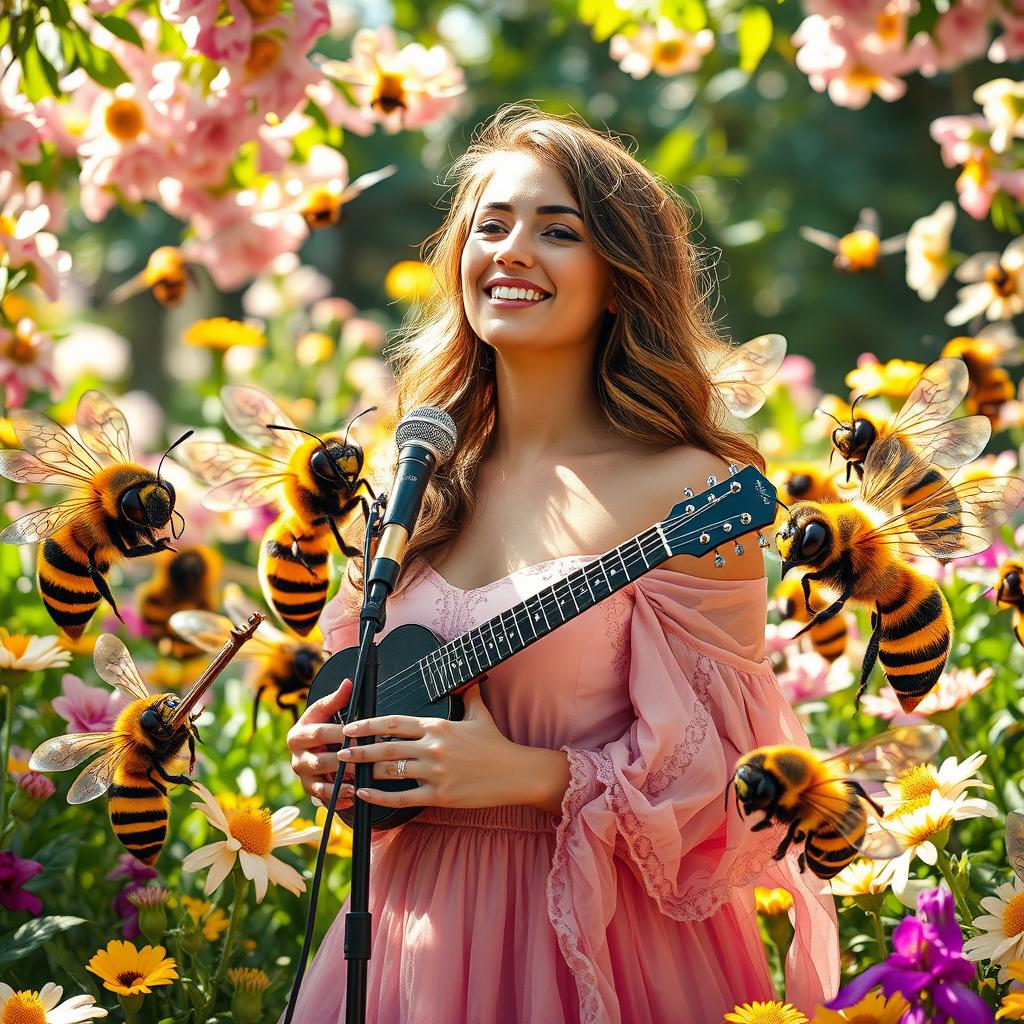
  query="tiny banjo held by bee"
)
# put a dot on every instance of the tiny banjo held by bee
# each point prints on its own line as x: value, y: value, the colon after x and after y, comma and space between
x: 421, y: 675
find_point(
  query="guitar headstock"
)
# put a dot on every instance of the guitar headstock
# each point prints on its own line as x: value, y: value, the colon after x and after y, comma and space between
x: 742, y: 503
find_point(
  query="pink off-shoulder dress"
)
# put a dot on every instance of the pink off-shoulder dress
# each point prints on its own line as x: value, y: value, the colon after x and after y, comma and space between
x: 634, y: 905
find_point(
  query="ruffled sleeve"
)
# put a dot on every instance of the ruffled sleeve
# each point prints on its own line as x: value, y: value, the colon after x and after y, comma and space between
x: 653, y: 799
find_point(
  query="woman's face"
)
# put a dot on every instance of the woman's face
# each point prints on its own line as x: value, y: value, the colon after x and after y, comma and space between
x: 527, y: 231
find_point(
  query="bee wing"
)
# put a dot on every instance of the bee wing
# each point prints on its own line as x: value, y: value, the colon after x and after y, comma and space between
x: 207, y: 630
x: 747, y: 366
x: 867, y: 220
x: 52, y: 445
x: 878, y: 843
x: 267, y: 638
x: 933, y: 399
x: 822, y: 238
x: 245, y: 492
x: 892, y: 245
x: 365, y: 181
x: 849, y: 817
x: 1015, y: 842
x: 37, y: 526
x: 249, y: 410
x: 25, y: 468
x: 216, y: 462
x: 954, y: 520
x: 64, y: 752
x: 96, y: 779
x: 130, y: 287
x: 103, y: 428
x: 114, y: 665
x: 888, y: 753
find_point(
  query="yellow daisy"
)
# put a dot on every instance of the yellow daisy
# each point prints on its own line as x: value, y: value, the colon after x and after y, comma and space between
x: 913, y: 787
x: 220, y: 333
x: 874, y: 1008
x: 31, y: 1007
x: 894, y: 379
x: 340, y: 844
x: 252, y: 833
x: 766, y: 1013
x: 129, y: 971
x: 1012, y: 1006
x: 772, y: 901
x: 213, y: 919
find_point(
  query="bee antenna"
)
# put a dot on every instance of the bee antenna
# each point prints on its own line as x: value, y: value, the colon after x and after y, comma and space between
x: 299, y: 430
x: 184, y: 437
x: 827, y: 413
x: 853, y: 408
x: 177, y: 533
x: 372, y: 408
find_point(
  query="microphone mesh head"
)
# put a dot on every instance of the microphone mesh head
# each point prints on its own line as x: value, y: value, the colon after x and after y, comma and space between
x: 430, y: 427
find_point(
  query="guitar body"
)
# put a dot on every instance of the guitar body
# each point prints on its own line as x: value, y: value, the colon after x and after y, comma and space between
x: 399, y: 650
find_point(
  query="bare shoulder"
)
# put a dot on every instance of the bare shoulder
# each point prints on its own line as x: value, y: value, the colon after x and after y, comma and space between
x: 667, y: 475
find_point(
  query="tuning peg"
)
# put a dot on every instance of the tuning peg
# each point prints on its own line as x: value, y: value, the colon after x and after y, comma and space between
x: 733, y: 469
x: 712, y: 480
x: 688, y: 492
x: 737, y: 547
x: 719, y: 560
x: 761, y: 542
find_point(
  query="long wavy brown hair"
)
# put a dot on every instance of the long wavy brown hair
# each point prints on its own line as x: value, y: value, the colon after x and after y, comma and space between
x: 653, y: 362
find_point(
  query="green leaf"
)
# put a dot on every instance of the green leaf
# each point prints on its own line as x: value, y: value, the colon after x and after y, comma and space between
x: 99, y: 65
x: 32, y: 934
x: 674, y: 155
x: 62, y: 960
x: 754, y: 36
x: 122, y: 28
x: 39, y: 76
x: 609, y: 21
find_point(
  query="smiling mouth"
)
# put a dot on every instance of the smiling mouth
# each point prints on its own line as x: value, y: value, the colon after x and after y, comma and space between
x: 518, y: 296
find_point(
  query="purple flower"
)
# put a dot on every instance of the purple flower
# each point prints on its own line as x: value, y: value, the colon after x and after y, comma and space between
x: 14, y: 873
x: 926, y: 967
x: 88, y: 708
x: 138, y: 874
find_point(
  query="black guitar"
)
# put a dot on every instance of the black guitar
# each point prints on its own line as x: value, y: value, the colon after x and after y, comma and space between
x: 421, y: 675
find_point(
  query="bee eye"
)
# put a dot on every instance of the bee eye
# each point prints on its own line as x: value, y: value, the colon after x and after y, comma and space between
x: 132, y: 507
x: 813, y: 540
x: 323, y: 465
x: 169, y: 488
x: 150, y: 720
x: 863, y: 432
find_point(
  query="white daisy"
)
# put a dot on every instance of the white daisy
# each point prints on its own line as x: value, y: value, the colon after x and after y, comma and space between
x: 1001, y: 103
x: 42, y: 1006
x: 912, y: 788
x: 252, y: 833
x: 21, y: 652
x: 995, y: 288
x: 862, y: 877
x: 1002, y: 928
x: 928, y: 263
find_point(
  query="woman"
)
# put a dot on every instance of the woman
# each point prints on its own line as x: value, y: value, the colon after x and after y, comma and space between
x: 575, y: 861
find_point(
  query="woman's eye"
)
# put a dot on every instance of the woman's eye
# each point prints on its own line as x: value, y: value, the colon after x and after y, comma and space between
x: 562, y: 233
x: 485, y: 227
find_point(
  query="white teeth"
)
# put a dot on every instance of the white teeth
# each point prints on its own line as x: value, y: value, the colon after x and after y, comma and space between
x: 502, y: 292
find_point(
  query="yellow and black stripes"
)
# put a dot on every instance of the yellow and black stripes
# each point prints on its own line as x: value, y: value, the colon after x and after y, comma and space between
x: 138, y: 815
x: 295, y: 571
x: 66, y: 584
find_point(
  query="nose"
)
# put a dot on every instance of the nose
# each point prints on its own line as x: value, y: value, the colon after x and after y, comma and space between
x: 514, y: 252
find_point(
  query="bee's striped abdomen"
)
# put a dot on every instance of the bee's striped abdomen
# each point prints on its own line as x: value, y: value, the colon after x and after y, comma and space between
x: 828, y: 852
x: 946, y: 522
x: 914, y: 639
x: 828, y: 638
x: 297, y: 593
x: 65, y: 586
x: 138, y: 815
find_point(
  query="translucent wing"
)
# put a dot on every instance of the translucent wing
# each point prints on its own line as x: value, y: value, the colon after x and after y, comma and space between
x: 209, y: 632
x: 239, y: 607
x: 934, y: 398
x: 25, y: 468
x: 953, y: 521
x: 1015, y: 842
x: 365, y: 181
x: 852, y: 816
x: 52, y: 445
x: 64, y: 752
x: 37, y: 526
x: 755, y: 361
x: 895, y: 244
x: 131, y: 287
x: 245, y: 492
x: 822, y: 238
x: 103, y: 428
x: 114, y: 665
x: 249, y: 410
x: 955, y: 443
x: 216, y: 462
x: 878, y: 843
x: 890, y: 752
x: 96, y: 779
x: 891, y: 469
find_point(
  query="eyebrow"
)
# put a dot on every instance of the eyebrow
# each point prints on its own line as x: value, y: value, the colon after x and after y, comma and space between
x: 507, y: 207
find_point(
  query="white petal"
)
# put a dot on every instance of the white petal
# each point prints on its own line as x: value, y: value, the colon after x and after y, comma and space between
x: 255, y: 868
x: 76, y: 1010
x: 285, y: 875
x: 285, y: 816
x: 203, y: 857
x: 219, y: 870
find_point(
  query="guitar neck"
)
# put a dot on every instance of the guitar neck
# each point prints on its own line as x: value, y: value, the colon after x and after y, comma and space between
x: 461, y: 660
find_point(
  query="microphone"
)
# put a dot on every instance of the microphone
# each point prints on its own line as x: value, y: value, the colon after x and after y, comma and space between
x: 425, y: 439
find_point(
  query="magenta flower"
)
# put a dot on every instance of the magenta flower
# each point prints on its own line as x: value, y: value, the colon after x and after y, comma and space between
x: 138, y: 874
x: 926, y: 967
x: 88, y: 708
x: 14, y: 873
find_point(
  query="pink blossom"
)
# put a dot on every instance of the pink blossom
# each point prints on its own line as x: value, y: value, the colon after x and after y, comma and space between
x: 88, y: 708
x: 962, y: 33
x: 808, y: 676
x: 337, y: 109
x: 1010, y: 45
x: 37, y: 785
x: 796, y: 378
x: 663, y: 48
x: 138, y: 874
x: 858, y: 14
x: 19, y: 124
x: 954, y: 688
x: 63, y: 119
x: 23, y: 243
x: 26, y: 362
x: 224, y: 39
x: 400, y: 89
x: 330, y: 313
x: 210, y: 130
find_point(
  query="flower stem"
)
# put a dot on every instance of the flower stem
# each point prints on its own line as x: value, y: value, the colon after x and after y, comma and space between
x: 946, y: 868
x: 876, y: 921
x: 5, y: 747
x: 241, y: 884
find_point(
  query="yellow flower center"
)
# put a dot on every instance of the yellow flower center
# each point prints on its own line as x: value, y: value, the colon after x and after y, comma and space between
x: 771, y: 1013
x: 1013, y: 918
x: 916, y: 787
x: 252, y: 829
x: 668, y: 51
x: 888, y: 26
x: 262, y: 8
x: 124, y: 120
x: 975, y: 173
x: 24, y: 1008
x: 1003, y: 282
x: 8, y: 225
x: 860, y: 248
x: 389, y: 93
x: 263, y: 55
x: 862, y: 76
x: 16, y: 644
x: 129, y: 978
x: 22, y: 348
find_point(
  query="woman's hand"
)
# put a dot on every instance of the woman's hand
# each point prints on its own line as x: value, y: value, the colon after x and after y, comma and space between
x: 312, y: 762
x: 457, y: 764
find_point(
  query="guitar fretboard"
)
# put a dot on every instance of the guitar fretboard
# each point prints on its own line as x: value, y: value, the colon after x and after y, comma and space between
x: 455, y: 663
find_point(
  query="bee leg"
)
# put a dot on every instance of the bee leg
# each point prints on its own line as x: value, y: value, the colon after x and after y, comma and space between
x: 766, y: 822
x: 100, y: 582
x: 177, y: 780
x: 369, y: 490
x: 826, y: 613
x: 869, y: 655
x: 802, y: 862
x: 346, y: 549
x: 862, y: 793
x: 787, y: 839
x: 299, y: 557
x: 256, y: 708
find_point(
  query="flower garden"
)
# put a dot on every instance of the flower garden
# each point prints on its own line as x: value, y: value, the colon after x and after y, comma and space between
x: 209, y: 213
